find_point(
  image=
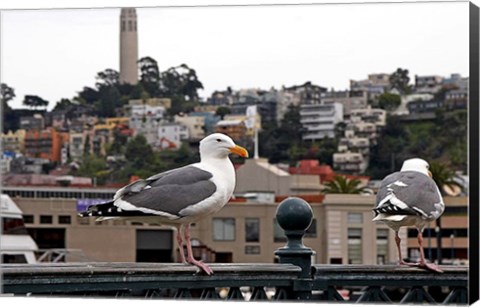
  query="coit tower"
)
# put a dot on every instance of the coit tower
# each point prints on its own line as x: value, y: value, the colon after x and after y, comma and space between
x: 128, y: 46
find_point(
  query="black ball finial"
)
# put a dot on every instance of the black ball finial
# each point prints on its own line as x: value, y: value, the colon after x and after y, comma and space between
x: 294, y: 214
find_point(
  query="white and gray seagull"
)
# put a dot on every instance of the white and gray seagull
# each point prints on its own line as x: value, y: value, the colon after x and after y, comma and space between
x: 179, y: 196
x: 409, y: 197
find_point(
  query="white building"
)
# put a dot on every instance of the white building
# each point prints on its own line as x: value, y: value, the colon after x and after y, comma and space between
x: 351, y: 100
x: 145, y: 119
x: 194, y: 124
x: 320, y: 120
x: 76, y: 145
x: 171, y: 135
x: 352, y: 162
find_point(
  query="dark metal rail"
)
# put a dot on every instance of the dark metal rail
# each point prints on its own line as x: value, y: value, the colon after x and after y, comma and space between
x: 294, y: 278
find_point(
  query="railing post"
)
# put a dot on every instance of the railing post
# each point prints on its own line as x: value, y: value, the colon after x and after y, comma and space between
x: 294, y: 215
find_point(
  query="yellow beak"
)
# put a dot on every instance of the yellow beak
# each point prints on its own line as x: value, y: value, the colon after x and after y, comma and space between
x: 239, y: 150
x: 430, y: 174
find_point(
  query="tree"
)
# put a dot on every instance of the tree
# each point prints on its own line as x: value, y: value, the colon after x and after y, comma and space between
x: 7, y: 93
x: 222, y: 111
x: 443, y: 176
x: 10, y: 118
x: 343, y: 185
x: 181, y: 81
x: 108, y: 77
x: 399, y: 80
x: 33, y: 101
x: 150, y: 76
x: 140, y: 155
x: 63, y: 104
x: 389, y: 102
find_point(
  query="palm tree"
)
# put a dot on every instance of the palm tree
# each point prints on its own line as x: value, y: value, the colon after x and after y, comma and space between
x: 343, y: 185
x: 444, y: 176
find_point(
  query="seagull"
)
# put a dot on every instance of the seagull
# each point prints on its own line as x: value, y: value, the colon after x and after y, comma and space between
x: 180, y: 196
x: 409, y: 197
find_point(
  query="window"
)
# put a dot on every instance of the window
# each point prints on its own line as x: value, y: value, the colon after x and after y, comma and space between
x: 13, y: 226
x: 252, y: 250
x: 28, y: 219
x: 46, y: 219
x: 355, y: 218
x: 278, y: 233
x: 382, y: 245
x: 252, y: 230
x: 354, y: 245
x: 64, y: 219
x: 223, y: 229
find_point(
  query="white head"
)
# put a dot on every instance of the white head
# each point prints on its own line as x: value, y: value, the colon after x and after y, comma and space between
x: 218, y: 145
x: 416, y: 165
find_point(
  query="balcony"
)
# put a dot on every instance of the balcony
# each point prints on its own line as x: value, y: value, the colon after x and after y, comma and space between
x: 294, y: 278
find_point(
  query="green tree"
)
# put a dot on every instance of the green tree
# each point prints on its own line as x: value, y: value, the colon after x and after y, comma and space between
x: 34, y: 101
x: 343, y: 185
x: 399, y: 80
x: 7, y: 93
x: 108, y: 77
x: 150, y: 76
x: 10, y: 118
x: 139, y: 153
x: 222, y: 111
x: 62, y: 104
x: 389, y: 102
x: 444, y: 176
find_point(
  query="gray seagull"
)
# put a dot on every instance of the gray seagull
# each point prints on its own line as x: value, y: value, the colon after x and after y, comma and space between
x: 180, y: 196
x: 409, y: 197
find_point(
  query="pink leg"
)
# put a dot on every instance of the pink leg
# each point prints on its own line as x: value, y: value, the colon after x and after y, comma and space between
x: 423, y: 263
x: 190, y: 258
x: 397, y: 241
x: 180, y: 244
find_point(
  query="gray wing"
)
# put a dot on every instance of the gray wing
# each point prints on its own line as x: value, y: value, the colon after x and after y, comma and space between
x: 171, y: 191
x: 417, y: 191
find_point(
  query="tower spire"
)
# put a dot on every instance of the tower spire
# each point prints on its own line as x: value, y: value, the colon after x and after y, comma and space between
x: 128, y: 46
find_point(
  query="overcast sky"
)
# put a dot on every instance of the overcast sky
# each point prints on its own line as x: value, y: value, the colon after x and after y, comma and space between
x: 54, y: 53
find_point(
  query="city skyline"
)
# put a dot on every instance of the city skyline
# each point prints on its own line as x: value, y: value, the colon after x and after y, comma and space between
x: 279, y: 46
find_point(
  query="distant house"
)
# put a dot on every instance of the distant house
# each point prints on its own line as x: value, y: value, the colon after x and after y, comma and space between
x: 194, y: 124
x: 351, y: 162
x: 351, y: 100
x: 375, y: 85
x: 234, y: 128
x: 428, y: 84
x: 171, y: 135
x: 308, y: 93
x: 45, y: 144
x: 422, y: 106
x: 319, y: 120
x: 456, y: 99
x: 14, y: 141
x: 146, y: 118
x: 35, y: 122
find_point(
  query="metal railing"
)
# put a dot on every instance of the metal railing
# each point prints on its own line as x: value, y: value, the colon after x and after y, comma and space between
x: 294, y: 278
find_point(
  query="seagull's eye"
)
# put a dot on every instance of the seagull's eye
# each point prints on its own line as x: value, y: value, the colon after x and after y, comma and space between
x: 219, y: 140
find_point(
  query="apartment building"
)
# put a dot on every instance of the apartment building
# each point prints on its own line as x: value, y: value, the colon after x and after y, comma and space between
x: 350, y: 162
x: 351, y: 100
x: 171, y: 135
x: 14, y: 142
x: 319, y: 120
x: 428, y: 84
x: 45, y: 144
x: 194, y: 124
